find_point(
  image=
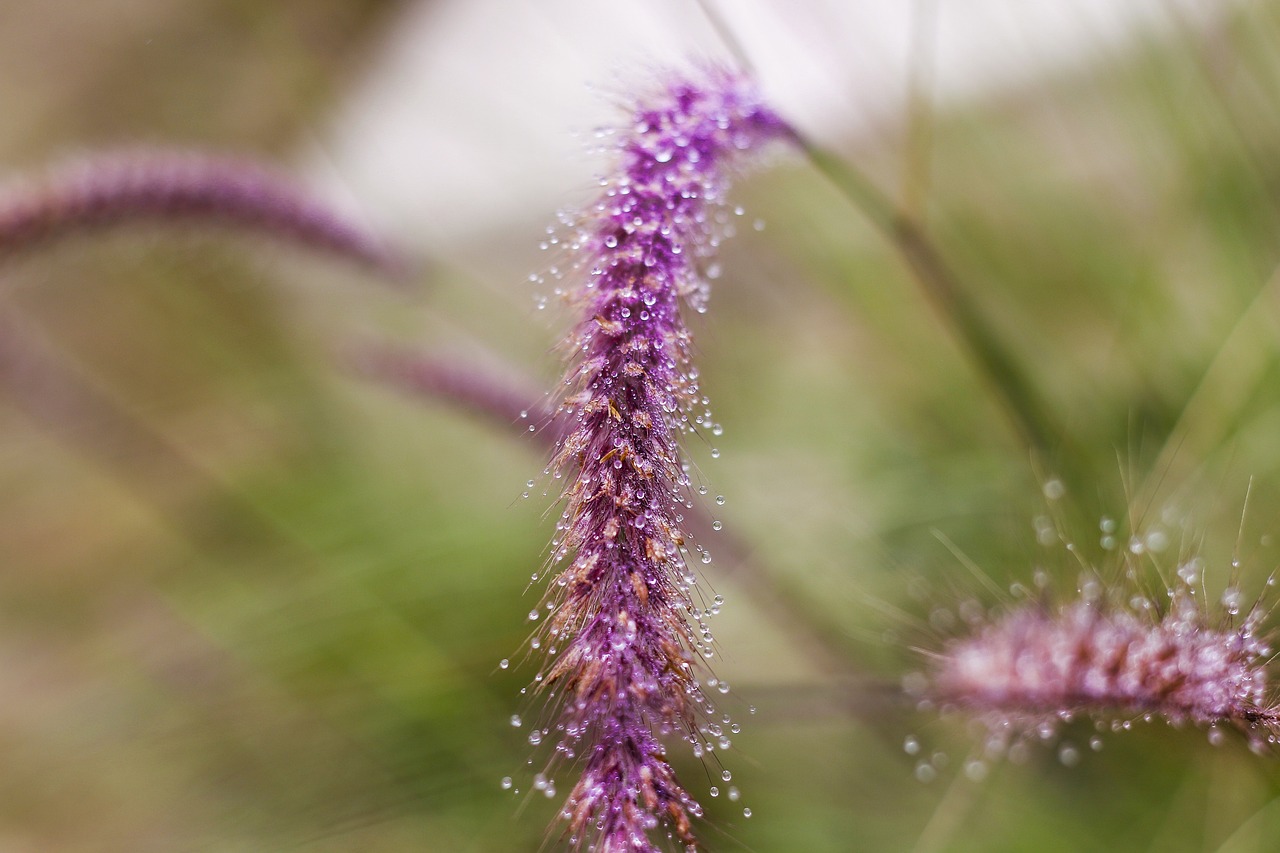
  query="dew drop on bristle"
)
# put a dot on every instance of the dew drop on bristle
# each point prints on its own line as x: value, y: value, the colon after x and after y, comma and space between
x: 1231, y: 600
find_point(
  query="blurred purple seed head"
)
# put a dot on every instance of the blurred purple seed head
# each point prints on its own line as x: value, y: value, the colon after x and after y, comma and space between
x: 163, y: 186
x: 623, y: 656
x: 1024, y: 672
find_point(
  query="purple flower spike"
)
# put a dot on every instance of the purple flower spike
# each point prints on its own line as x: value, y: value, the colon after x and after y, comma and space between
x: 159, y: 185
x: 1025, y: 672
x: 625, y: 664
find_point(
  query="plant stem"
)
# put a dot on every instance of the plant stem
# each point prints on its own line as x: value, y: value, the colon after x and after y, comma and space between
x: 1024, y: 406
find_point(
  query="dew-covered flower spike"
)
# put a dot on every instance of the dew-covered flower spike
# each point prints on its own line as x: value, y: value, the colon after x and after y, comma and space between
x: 623, y: 657
x: 1023, y: 673
x: 162, y: 186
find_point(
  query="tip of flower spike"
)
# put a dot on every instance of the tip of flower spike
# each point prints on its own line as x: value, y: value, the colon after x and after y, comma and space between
x: 161, y: 186
x: 1024, y: 672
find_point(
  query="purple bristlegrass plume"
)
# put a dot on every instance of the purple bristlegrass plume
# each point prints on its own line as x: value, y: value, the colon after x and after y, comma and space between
x: 623, y: 655
x: 165, y: 186
x: 1024, y: 672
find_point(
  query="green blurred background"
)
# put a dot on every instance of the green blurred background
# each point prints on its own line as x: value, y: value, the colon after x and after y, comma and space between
x: 249, y: 602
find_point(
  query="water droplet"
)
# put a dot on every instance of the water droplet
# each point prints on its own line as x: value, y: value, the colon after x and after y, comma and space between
x: 715, y: 453
x: 911, y: 746
x: 1054, y: 489
x: 726, y: 775
x: 734, y: 793
x: 516, y: 721
x: 746, y: 812
x: 706, y: 556
x: 504, y: 663
x: 1068, y: 755
x: 716, y: 525
x: 925, y: 772
x: 975, y: 770
x: 719, y: 500
x: 1231, y: 599
x: 506, y: 783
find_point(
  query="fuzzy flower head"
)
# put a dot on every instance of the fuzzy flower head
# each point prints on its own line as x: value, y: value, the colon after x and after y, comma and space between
x: 623, y: 654
x: 1037, y: 665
